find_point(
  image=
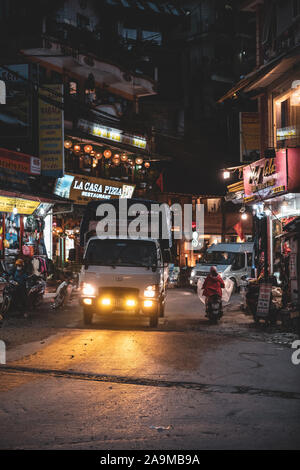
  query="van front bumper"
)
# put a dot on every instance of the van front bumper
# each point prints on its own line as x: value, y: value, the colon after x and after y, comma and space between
x: 108, y: 304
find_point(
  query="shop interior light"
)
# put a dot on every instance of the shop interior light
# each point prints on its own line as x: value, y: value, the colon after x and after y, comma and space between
x: 42, y: 211
x: 88, y: 148
x: 139, y: 161
x: 77, y: 148
x: 124, y: 157
x: 226, y: 174
x: 15, y: 210
x: 98, y: 155
x: 244, y: 216
x: 147, y: 164
x: 107, y: 153
x: 68, y: 144
x: 267, y: 211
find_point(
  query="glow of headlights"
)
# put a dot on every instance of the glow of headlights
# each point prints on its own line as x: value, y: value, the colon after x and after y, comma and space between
x: 130, y: 303
x: 88, y: 289
x: 150, y: 291
x: 106, y: 301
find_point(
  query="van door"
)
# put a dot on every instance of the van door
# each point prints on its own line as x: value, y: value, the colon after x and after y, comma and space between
x: 239, y: 267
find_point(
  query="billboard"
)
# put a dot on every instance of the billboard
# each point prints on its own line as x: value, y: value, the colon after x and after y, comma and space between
x: 249, y: 137
x: 15, y: 113
x: 83, y: 189
x: 51, y: 131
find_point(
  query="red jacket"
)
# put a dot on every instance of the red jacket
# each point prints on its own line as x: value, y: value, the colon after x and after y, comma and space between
x: 213, y: 285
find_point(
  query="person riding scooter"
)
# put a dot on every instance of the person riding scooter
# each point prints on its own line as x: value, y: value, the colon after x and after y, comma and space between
x: 213, y: 285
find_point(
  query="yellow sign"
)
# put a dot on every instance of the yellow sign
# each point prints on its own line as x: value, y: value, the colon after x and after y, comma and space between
x: 24, y: 206
x: 51, y: 131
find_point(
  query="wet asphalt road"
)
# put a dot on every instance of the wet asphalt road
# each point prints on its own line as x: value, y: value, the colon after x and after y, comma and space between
x: 120, y: 385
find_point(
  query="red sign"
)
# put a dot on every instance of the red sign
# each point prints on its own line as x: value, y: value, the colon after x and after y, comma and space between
x: 19, y: 162
x: 266, y: 177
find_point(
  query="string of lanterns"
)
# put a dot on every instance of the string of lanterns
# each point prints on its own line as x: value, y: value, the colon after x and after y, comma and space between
x: 116, y: 158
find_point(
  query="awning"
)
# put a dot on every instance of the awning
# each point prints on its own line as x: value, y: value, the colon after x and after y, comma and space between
x: 264, y: 75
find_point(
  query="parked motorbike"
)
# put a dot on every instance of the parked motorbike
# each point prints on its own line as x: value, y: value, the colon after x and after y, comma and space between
x: 62, y: 290
x: 214, y: 308
x: 251, y: 301
x: 35, y: 290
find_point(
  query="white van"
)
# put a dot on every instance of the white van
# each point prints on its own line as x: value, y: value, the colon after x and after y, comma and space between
x: 122, y: 274
x: 232, y: 260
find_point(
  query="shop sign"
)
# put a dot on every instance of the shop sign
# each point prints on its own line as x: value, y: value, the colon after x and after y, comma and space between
x: 265, y: 177
x: 83, y: 189
x: 51, y: 131
x: 114, y: 135
x: 24, y: 206
x: 19, y: 162
x: 264, y: 297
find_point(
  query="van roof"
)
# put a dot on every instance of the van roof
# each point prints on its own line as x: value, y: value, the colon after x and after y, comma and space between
x: 232, y: 247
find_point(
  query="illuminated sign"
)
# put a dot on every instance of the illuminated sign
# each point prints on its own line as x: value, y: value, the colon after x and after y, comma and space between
x: 265, y: 177
x: 24, y: 206
x: 51, y: 131
x: 114, y: 135
x: 83, y: 189
x: 285, y: 133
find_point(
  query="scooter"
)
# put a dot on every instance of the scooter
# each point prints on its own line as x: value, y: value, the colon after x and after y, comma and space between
x: 214, y: 308
x: 35, y: 290
x: 62, y: 290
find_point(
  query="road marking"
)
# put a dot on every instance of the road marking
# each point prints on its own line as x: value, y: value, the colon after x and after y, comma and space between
x: 143, y: 381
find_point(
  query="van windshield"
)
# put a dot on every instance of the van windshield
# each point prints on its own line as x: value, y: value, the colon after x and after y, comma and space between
x: 121, y: 253
x: 219, y: 257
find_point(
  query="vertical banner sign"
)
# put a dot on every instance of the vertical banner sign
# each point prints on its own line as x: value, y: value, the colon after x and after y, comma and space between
x: 264, y: 298
x: 249, y: 137
x: 51, y: 131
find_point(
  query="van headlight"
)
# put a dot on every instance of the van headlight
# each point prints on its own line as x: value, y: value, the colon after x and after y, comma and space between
x: 151, y: 291
x: 88, y: 289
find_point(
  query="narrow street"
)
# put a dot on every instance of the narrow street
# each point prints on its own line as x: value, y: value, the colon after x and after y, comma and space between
x: 120, y: 385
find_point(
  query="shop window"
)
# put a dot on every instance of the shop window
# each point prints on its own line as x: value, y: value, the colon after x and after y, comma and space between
x: 213, y: 205
x: 82, y: 21
x: 130, y: 34
x: 152, y: 36
x: 239, y: 262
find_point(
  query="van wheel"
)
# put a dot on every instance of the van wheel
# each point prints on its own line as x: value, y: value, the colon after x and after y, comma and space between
x: 161, y: 309
x: 153, y: 321
x: 87, y: 317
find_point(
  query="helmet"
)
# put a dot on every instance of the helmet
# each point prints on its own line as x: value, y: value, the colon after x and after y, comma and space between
x: 19, y: 262
x: 213, y: 271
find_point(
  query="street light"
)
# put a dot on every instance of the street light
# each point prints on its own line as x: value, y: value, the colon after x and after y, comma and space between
x: 226, y: 174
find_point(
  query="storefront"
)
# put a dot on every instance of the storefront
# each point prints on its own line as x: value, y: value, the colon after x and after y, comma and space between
x: 272, y: 189
x: 79, y: 190
x: 25, y: 218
